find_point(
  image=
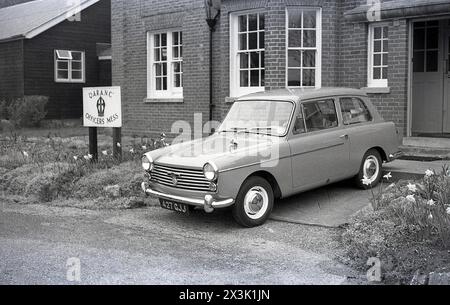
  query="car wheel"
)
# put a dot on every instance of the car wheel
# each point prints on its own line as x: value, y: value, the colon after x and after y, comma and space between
x: 254, y: 202
x: 371, y: 170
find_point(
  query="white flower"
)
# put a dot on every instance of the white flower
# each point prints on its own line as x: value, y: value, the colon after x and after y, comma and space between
x: 430, y: 217
x: 411, y: 198
x: 119, y: 145
x: 105, y: 152
x: 144, y: 147
x: 132, y: 151
x: 88, y: 157
x: 429, y: 173
x: 25, y: 154
x: 412, y: 187
x: 388, y: 176
x: 448, y: 211
x: 366, y: 181
x: 75, y: 158
x: 431, y: 203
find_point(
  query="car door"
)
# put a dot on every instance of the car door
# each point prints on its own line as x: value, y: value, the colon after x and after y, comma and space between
x: 319, y: 145
x: 357, y: 120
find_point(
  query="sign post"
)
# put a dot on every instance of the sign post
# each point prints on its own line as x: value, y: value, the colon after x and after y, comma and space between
x: 102, y: 108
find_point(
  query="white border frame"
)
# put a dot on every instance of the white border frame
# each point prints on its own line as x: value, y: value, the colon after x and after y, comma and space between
x: 235, y: 89
x: 319, y: 35
x: 378, y: 83
x: 70, y: 80
x: 172, y: 92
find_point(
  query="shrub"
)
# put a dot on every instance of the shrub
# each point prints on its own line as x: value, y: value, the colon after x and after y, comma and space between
x: 28, y: 111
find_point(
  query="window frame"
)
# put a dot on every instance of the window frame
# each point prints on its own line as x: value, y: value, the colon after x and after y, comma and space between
x: 235, y: 89
x: 172, y: 92
x: 318, y: 48
x: 337, y: 111
x: 69, y: 61
x: 371, y: 82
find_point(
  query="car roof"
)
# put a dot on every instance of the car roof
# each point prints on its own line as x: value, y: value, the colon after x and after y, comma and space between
x: 301, y: 94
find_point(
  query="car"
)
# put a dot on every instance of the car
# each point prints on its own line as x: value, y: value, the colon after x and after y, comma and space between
x: 273, y: 145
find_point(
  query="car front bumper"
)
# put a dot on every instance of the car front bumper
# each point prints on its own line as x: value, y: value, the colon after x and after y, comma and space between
x: 209, y: 204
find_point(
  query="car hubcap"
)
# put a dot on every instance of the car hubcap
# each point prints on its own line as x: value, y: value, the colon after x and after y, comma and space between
x: 371, y: 168
x: 256, y: 202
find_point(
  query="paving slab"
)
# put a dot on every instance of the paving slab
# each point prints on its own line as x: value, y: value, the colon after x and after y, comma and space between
x: 331, y: 206
x: 406, y: 170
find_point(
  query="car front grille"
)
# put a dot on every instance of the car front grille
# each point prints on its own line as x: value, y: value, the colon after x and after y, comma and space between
x: 186, y: 178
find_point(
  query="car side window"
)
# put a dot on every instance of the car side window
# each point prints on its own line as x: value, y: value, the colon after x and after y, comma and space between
x: 320, y: 115
x: 299, y: 126
x: 354, y: 111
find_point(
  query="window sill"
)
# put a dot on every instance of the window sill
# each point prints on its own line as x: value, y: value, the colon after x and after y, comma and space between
x: 377, y: 90
x: 163, y: 100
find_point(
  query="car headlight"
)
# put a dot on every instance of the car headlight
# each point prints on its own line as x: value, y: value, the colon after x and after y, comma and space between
x: 147, y: 163
x: 210, y: 171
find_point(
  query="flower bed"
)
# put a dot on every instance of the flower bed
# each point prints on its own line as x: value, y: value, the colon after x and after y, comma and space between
x: 58, y: 171
x: 408, y: 228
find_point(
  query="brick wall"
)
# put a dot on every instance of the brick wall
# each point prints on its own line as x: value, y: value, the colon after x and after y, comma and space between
x: 344, y: 56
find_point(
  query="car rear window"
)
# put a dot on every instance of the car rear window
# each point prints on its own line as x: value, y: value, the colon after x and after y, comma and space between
x: 354, y: 111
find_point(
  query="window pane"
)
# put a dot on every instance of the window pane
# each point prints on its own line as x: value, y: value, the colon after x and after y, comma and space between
x: 76, y: 55
x: 177, y: 82
x: 63, y: 74
x: 164, y: 69
x: 309, y: 39
x: 158, y: 83
x: 164, y: 54
x: 242, y: 41
x: 261, y: 22
x: 377, y: 73
x: 164, y: 83
x: 433, y: 38
x: 419, y: 39
x: 419, y: 61
x: 309, y: 19
x: 176, y: 53
x: 385, y: 46
x: 432, y: 61
x: 261, y: 40
x: 175, y: 38
x: 309, y: 58
x: 385, y: 59
x: 309, y: 78
x: 243, y: 23
x: 254, y: 77
x: 164, y: 40
x: 295, y: 38
x: 252, y: 41
x: 177, y: 67
x: 294, y: 58
x: 63, y: 54
x: 157, y: 40
x: 77, y: 75
x: 253, y: 22
x: 158, y: 69
x: 377, y: 46
x: 320, y: 115
x: 295, y: 19
x: 294, y: 77
x: 62, y: 65
x: 263, y: 61
x: 263, y: 78
x: 354, y: 111
x: 244, y: 78
x: 76, y: 65
x: 243, y: 60
x: 157, y: 54
x: 377, y: 33
x: 254, y: 60
x: 377, y: 60
x: 386, y: 32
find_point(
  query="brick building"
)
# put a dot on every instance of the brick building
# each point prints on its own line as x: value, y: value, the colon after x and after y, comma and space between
x: 397, y: 51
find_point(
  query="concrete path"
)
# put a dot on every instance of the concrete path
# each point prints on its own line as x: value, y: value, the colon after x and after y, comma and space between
x: 154, y: 246
x: 330, y: 206
x: 406, y: 170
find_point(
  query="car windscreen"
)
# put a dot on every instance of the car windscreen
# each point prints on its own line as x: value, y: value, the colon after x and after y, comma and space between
x: 259, y: 117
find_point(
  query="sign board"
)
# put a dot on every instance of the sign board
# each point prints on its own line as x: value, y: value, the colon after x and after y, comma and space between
x: 102, y: 107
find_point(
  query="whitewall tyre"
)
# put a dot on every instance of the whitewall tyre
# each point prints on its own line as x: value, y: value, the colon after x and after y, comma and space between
x: 254, y: 202
x: 371, y: 170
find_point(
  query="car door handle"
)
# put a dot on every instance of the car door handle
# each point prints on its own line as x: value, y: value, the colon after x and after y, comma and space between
x: 345, y: 137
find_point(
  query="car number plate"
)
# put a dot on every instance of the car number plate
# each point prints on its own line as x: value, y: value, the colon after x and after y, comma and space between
x: 174, y: 206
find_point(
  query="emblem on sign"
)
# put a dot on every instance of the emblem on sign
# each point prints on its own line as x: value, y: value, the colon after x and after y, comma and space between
x: 101, y: 105
x: 174, y: 177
